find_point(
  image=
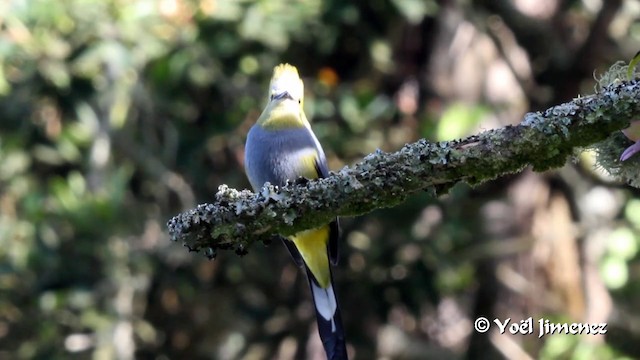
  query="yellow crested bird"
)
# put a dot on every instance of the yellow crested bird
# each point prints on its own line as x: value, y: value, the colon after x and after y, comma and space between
x: 281, y: 146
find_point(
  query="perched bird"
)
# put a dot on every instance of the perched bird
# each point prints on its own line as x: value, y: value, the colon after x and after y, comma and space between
x: 281, y: 146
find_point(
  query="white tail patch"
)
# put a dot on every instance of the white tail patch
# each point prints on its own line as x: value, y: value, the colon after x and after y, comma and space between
x: 326, y: 304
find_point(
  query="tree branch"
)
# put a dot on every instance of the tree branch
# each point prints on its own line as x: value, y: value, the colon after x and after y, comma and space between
x: 236, y: 219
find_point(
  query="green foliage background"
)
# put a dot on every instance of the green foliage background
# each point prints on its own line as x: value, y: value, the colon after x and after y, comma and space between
x: 115, y: 115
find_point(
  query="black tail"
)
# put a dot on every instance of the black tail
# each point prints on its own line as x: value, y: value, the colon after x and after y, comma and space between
x: 329, y: 320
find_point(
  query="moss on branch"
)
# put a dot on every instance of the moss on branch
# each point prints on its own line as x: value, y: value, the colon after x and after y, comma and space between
x: 543, y: 140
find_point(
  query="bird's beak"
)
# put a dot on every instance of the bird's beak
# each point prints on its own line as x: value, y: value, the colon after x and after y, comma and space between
x: 283, y: 95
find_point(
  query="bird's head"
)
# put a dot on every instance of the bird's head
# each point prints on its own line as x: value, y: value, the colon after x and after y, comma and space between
x: 286, y: 84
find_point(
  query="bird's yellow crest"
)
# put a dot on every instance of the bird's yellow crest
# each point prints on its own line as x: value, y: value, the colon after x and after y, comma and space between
x: 285, y: 102
x: 286, y: 79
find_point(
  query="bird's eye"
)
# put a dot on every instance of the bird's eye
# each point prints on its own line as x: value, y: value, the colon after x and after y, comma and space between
x: 299, y: 101
x: 273, y: 96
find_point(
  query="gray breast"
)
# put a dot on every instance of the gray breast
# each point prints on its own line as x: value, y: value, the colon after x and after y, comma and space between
x: 274, y: 156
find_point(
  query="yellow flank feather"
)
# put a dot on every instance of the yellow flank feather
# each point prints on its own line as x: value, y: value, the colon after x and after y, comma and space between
x: 312, y: 245
x: 308, y: 168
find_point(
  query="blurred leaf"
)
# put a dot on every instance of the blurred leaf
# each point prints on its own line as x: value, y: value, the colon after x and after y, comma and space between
x: 632, y: 212
x: 459, y: 120
x: 614, y: 271
x: 14, y: 163
x: 622, y: 243
x: 416, y: 10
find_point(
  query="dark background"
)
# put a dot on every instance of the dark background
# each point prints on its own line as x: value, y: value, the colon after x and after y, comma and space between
x: 116, y: 115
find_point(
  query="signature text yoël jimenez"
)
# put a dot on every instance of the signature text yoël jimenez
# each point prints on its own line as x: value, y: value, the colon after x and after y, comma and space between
x: 545, y: 327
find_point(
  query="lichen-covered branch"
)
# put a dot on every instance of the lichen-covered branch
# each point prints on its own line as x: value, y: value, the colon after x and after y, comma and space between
x: 543, y: 140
